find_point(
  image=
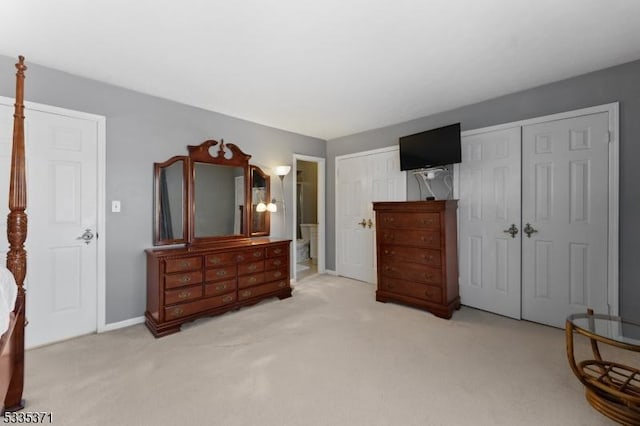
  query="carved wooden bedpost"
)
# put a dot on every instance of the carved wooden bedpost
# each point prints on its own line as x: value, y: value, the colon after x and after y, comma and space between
x: 17, y: 234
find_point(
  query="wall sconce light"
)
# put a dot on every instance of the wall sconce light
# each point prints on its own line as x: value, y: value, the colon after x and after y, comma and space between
x: 272, y: 206
x: 261, y: 207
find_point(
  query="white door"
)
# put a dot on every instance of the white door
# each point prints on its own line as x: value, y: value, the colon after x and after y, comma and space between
x: 362, y: 179
x: 565, y: 200
x: 489, y: 205
x: 61, y: 282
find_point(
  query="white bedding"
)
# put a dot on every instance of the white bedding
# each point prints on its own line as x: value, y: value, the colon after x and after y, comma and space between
x: 8, y: 294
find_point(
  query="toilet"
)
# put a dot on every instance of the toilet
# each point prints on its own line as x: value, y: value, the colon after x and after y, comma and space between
x: 309, y: 233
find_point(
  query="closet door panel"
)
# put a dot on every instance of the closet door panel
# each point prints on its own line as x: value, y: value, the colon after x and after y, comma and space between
x: 490, y: 204
x: 565, y: 201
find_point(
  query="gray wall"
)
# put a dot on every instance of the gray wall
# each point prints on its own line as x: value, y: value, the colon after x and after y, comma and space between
x: 141, y: 130
x: 620, y: 83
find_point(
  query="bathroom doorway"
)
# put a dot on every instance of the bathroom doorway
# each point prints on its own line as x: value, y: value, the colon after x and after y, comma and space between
x: 308, y: 215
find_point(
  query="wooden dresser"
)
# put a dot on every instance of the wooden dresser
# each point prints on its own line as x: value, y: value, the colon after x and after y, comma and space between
x: 190, y: 282
x: 417, y: 254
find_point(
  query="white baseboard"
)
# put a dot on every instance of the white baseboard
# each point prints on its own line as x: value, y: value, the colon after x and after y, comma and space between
x: 121, y: 324
x: 330, y: 272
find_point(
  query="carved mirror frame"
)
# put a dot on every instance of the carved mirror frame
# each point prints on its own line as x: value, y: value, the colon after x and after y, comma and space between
x: 254, y: 215
x: 158, y: 238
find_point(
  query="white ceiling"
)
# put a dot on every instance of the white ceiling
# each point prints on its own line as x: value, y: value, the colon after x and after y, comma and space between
x: 324, y: 68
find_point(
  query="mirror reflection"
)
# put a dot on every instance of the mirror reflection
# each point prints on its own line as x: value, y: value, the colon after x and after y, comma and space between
x: 218, y: 200
x: 260, y: 198
x: 171, y: 200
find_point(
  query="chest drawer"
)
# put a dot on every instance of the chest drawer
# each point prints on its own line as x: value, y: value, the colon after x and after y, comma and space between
x: 412, y: 272
x: 220, y: 259
x: 409, y: 220
x: 220, y: 287
x: 261, y: 289
x: 250, y: 280
x: 428, y: 257
x: 250, y: 255
x: 184, y: 264
x: 429, y: 239
x: 406, y: 288
x: 218, y: 274
x: 180, y: 280
x: 275, y: 274
x: 182, y: 294
x: 275, y: 263
x: 276, y: 251
x: 250, y: 268
x: 186, y: 309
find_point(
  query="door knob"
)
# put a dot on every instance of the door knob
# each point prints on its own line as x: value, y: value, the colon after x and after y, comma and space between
x: 528, y: 229
x: 513, y: 230
x: 369, y: 223
x: 363, y: 223
x: 87, y: 236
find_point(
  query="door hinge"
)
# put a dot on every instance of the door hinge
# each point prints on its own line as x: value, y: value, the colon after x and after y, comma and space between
x: 97, y: 235
x: 610, y: 136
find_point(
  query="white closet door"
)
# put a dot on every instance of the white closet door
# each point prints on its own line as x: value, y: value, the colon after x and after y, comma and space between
x: 565, y: 200
x: 489, y: 204
x: 361, y: 180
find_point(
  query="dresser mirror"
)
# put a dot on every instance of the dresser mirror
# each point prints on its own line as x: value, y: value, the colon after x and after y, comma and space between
x: 170, y: 196
x: 260, y: 197
x: 203, y: 197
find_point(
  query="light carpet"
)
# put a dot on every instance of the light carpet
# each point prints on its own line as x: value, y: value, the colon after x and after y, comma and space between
x: 330, y: 355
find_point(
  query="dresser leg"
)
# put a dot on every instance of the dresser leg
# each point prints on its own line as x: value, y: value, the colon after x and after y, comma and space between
x: 160, y: 331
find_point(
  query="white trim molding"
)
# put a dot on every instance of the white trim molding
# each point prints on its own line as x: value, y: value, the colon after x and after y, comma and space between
x: 121, y: 324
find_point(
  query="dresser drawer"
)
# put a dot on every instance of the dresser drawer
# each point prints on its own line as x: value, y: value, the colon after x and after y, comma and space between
x: 250, y: 255
x: 276, y: 274
x: 406, y: 288
x: 412, y: 272
x: 220, y: 287
x: 430, y: 239
x: 180, y: 280
x: 218, y: 274
x: 184, y: 264
x: 182, y: 294
x: 250, y: 268
x: 428, y: 257
x: 275, y: 263
x: 220, y: 259
x: 262, y: 289
x: 409, y: 220
x: 250, y: 280
x: 276, y: 251
x: 185, y: 309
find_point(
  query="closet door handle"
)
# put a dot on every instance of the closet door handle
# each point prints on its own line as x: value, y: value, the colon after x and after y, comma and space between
x: 528, y: 229
x: 512, y: 230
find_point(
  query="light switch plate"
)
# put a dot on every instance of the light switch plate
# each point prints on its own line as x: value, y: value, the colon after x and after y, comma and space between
x: 115, y: 206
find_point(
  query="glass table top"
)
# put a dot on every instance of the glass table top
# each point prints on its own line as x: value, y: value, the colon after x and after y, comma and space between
x: 608, y: 326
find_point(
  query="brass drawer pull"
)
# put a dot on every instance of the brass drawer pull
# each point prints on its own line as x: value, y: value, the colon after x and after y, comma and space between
x: 277, y: 274
x: 388, y: 237
x: 185, y: 264
x: 221, y: 273
x: 389, y: 219
x: 388, y: 268
x: 245, y: 293
x: 252, y: 280
x: 389, y: 285
x: 390, y: 252
x: 428, y: 276
x: 257, y: 254
x: 227, y: 298
x: 184, y: 295
x: 240, y: 258
x: 427, y: 221
x: 253, y: 267
x: 177, y: 312
x: 185, y: 279
x: 277, y: 262
x: 215, y: 260
x: 277, y: 251
x: 282, y: 284
x: 221, y: 287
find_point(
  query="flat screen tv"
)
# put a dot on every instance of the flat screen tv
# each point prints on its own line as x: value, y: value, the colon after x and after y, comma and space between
x: 436, y: 147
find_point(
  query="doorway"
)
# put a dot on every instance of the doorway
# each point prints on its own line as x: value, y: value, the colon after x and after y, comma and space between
x: 65, y: 282
x: 308, y: 216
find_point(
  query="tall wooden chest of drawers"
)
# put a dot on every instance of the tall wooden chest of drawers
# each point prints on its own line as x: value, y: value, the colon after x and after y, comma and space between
x: 190, y: 282
x: 417, y: 255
